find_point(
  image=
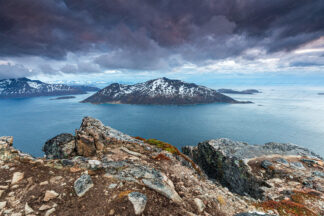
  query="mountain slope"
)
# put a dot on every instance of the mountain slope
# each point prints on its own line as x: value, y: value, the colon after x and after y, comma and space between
x: 158, y: 91
x: 23, y: 87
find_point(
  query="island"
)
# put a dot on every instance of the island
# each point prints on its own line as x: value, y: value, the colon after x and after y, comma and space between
x: 231, y: 91
x: 320, y: 93
x: 161, y: 91
x: 63, y: 98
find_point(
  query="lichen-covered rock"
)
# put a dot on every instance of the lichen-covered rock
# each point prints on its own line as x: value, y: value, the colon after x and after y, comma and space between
x: 59, y: 147
x: 82, y: 185
x: 227, y: 161
x: 139, y: 201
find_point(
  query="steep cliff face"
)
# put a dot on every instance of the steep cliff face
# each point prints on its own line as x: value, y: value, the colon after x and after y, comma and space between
x: 158, y: 91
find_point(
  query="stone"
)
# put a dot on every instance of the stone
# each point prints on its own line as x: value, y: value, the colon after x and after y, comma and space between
x: 6, y: 141
x: 3, y: 205
x: 318, y: 173
x: 283, y: 161
x: 4, y: 187
x: 94, y: 164
x: 130, y: 152
x: 44, y: 207
x: 43, y: 183
x: 28, y: 209
x: 50, y: 211
x: 49, y: 195
x: 1, y: 192
x: 56, y: 179
x: 61, y: 146
x: 66, y: 162
x: 266, y: 164
x: 309, y: 162
x: 111, y: 186
x: 17, y: 177
x: 82, y: 185
x: 297, y: 165
x: 139, y: 201
x: 163, y: 188
x: 200, y: 205
x: 111, y: 212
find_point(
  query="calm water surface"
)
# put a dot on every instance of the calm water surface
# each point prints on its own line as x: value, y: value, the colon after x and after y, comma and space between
x: 280, y: 114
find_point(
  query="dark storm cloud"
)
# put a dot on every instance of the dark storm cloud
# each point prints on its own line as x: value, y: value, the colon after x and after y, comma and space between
x: 146, y: 34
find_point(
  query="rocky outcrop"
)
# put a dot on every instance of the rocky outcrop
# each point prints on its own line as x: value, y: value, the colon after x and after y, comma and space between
x: 127, y: 176
x: 93, y: 137
x: 61, y: 146
x: 249, y: 169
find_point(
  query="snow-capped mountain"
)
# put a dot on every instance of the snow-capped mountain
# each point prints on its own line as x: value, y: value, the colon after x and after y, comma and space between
x: 158, y: 91
x: 23, y: 87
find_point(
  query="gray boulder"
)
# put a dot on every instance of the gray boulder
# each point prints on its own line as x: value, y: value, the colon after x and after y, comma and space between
x: 60, y: 147
x: 82, y: 185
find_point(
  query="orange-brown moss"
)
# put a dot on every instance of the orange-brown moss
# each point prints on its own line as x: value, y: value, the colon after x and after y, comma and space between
x: 140, y: 138
x: 302, y: 196
x: 286, y: 208
x: 124, y: 193
x: 161, y: 157
x: 173, y: 150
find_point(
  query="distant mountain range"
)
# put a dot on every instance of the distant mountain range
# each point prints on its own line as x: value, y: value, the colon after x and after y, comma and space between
x: 320, y: 93
x: 231, y: 91
x: 158, y: 91
x: 23, y: 87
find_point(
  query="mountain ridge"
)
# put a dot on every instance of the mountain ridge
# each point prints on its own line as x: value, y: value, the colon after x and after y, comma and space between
x: 24, y: 87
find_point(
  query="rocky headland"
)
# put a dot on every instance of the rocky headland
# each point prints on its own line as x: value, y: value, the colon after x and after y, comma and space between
x: 102, y: 171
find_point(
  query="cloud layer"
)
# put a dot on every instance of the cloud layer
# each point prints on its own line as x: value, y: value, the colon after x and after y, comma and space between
x: 152, y: 34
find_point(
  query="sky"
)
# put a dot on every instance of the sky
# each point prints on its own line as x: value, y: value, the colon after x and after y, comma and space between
x: 137, y: 39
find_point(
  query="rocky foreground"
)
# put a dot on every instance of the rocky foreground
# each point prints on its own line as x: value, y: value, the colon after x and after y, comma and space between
x: 101, y: 171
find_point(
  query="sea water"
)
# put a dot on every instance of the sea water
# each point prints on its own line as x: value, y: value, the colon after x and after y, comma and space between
x: 278, y: 114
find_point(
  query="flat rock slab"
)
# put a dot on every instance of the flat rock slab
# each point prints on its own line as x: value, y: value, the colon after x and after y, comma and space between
x: 17, y: 177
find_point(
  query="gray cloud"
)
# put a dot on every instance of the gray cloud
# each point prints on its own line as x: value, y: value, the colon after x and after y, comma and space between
x: 147, y: 34
x: 14, y: 71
